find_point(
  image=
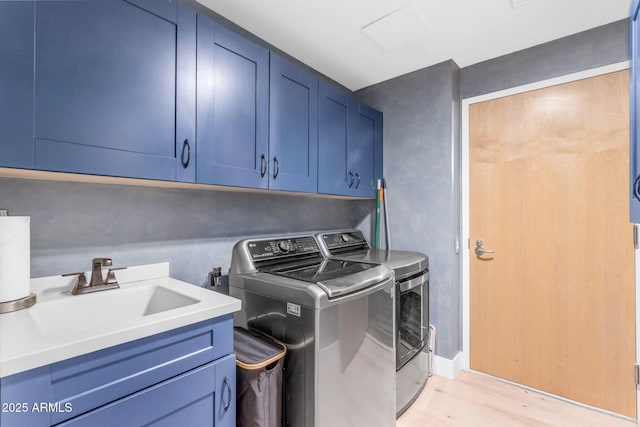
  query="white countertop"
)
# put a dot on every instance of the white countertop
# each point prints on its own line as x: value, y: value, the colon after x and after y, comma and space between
x: 60, y: 325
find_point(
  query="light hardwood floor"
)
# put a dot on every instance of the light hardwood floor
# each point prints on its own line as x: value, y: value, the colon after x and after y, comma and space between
x: 473, y: 400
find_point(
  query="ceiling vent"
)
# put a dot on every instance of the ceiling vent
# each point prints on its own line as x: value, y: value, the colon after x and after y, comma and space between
x: 398, y: 28
x: 519, y: 3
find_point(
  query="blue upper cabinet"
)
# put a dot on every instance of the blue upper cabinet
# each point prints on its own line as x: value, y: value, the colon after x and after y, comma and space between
x: 152, y: 89
x: 349, y: 146
x: 232, y: 108
x: 634, y: 158
x: 364, y: 156
x: 293, y: 127
x: 333, y: 119
x: 115, y: 88
x: 16, y: 84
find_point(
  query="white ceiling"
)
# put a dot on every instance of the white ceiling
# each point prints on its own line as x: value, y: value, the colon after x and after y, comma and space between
x: 409, y: 35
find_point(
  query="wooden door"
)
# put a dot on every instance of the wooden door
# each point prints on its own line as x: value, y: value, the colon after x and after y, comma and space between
x: 553, y: 307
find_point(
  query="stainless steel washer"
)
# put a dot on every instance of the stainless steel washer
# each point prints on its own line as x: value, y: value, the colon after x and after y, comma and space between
x: 336, y: 319
x: 412, y: 305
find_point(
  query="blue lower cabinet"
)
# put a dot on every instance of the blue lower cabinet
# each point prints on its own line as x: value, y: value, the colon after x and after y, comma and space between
x: 293, y: 127
x: 184, y: 376
x: 22, y: 397
x: 225, y: 400
x: 196, y: 398
x: 114, y: 88
x: 16, y: 84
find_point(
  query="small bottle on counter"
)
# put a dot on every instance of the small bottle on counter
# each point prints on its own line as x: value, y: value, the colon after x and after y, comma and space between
x: 216, y: 277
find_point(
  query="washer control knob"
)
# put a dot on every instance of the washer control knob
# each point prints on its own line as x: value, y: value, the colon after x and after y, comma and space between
x: 283, y: 246
x: 345, y: 238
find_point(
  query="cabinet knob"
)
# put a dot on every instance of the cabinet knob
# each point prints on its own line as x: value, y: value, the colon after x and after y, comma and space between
x: 276, y: 167
x: 350, y: 179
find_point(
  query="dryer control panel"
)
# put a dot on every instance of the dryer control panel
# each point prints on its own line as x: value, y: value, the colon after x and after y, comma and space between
x: 353, y: 240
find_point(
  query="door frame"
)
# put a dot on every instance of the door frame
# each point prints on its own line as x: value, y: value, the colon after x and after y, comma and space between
x: 464, y: 182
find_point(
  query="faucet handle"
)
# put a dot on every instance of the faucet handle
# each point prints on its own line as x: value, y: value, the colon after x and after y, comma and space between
x: 73, y: 274
x: 111, y: 276
x: 81, y: 283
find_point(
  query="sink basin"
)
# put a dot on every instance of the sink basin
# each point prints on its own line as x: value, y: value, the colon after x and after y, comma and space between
x: 76, y: 314
x: 163, y: 299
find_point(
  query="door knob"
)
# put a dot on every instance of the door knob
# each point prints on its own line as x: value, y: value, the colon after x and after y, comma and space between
x: 479, y: 250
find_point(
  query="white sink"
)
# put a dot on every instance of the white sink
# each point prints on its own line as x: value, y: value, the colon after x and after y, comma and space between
x: 111, y: 307
x: 61, y: 326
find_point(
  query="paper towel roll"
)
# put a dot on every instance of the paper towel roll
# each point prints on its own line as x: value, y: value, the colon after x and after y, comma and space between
x: 15, y: 262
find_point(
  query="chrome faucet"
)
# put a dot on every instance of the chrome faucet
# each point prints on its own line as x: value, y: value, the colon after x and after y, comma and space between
x: 96, y: 271
x: 97, y: 282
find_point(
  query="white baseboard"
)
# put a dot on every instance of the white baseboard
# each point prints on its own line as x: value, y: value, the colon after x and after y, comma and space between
x: 447, y: 368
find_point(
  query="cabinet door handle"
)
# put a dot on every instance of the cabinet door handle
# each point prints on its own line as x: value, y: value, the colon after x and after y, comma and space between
x: 276, y: 167
x: 186, y: 145
x: 225, y: 384
x: 350, y: 179
x: 263, y: 166
x: 357, y: 180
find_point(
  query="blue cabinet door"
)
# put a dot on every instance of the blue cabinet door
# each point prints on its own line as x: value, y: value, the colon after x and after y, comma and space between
x: 16, y: 84
x: 349, y: 144
x: 634, y: 158
x: 293, y: 127
x: 225, y: 415
x: 233, y: 108
x: 189, y: 399
x: 112, y: 89
x: 365, y: 148
x: 333, y: 119
x: 93, y: 388
x: 22, y: 396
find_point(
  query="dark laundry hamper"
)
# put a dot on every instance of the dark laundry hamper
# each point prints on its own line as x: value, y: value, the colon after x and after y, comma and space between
x: 259, y: 362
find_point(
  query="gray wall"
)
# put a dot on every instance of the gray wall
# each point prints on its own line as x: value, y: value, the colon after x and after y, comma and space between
x: 421, y: 150
x: 71, y: 223
x: 594, y: 48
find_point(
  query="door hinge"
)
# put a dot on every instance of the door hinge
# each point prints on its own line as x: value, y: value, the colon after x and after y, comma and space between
x: 637, y: 374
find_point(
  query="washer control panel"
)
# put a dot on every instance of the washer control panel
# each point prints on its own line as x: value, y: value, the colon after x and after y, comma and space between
x: 270, y: 249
